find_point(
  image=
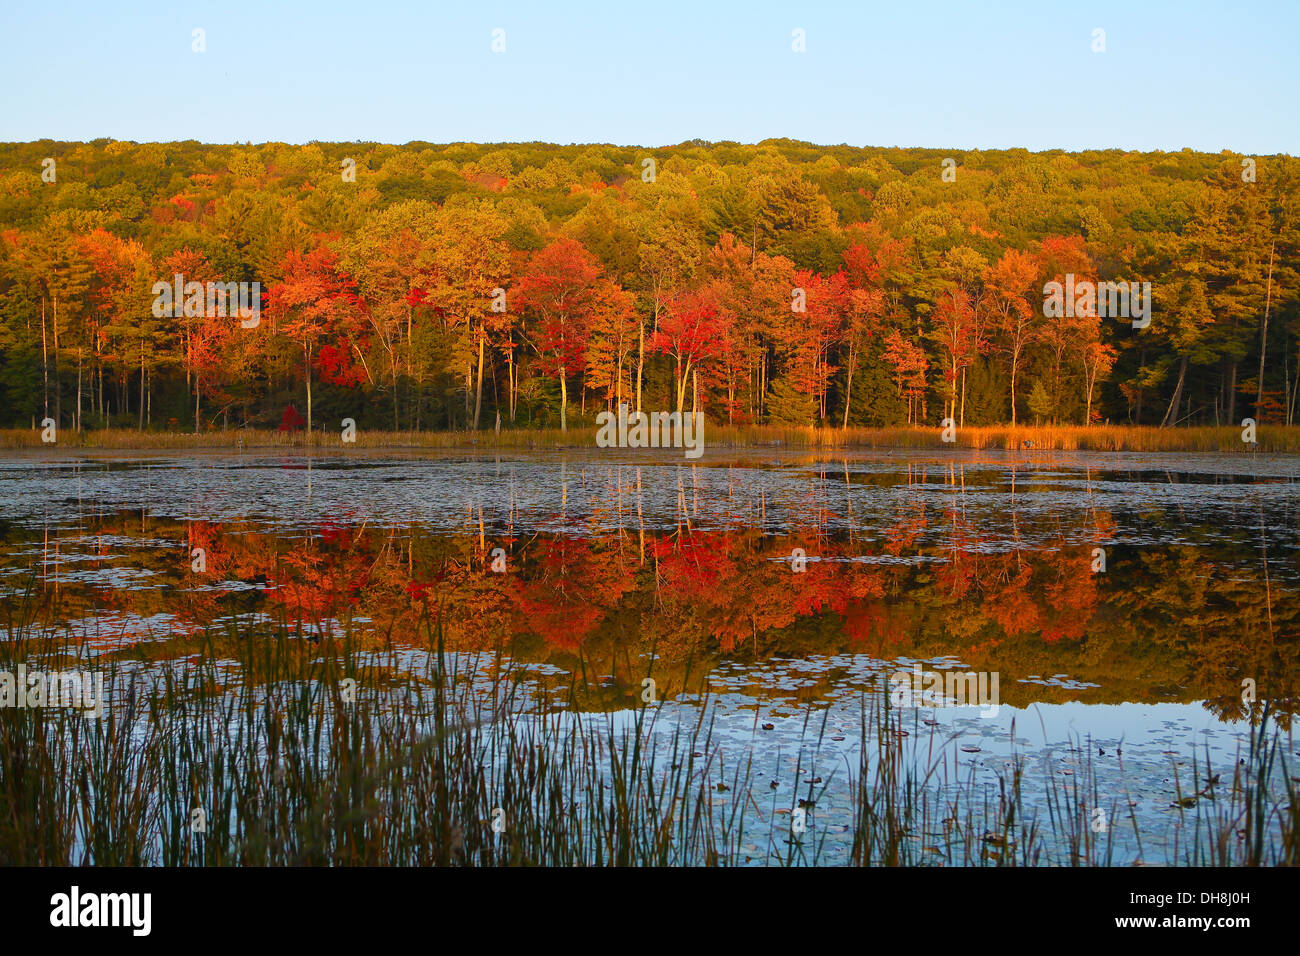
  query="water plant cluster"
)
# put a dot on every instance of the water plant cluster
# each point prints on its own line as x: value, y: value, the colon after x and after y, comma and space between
x: 291, y: 751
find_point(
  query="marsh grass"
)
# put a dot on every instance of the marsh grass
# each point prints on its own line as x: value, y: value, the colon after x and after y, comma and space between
x: 1238, y: 821
x: 321, y: 753
x: 1269, y: 438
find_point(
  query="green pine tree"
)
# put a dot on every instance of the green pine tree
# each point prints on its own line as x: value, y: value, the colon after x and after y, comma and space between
x: 874, y: 400
x: 786, y: 406
x: 1040, y: 403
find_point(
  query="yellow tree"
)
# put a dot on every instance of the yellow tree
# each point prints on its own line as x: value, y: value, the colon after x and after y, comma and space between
x: 1010, y: 283
x: 392, y: 257
x: 473, y: 270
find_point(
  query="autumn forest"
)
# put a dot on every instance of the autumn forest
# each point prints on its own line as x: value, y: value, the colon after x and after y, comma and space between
x: 426, y: 287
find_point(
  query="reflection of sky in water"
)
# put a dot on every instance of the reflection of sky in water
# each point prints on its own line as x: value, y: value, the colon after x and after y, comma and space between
x: 1140, y: 755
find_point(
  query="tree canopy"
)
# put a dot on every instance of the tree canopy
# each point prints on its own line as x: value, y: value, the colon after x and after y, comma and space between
x: 424, y: 286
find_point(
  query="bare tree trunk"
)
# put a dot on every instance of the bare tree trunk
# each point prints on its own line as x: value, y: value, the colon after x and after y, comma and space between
x: 1232, y: 393
x: 1092, y: 381
x: 848, y: 386
x: 45, y: 363
x: 58, y: 390
x: 682, y: 377
x: 469, y: 387
x: 478, y: 389
x: 1015, y: 367
x: 307, y: 352
x: 1263, y: 334
x: 751, y: 371
x: 564, y: 400
x: 962, y: 419
x: 640, y: 359
x: 952, y: 406
x: 1295, y: 394
x: 1286, y: 386
x: 510, y: 380
x: 1171, y: 416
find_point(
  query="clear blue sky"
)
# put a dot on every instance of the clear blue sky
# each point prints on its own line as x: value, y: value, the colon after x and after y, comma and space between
x: 1175, y: 73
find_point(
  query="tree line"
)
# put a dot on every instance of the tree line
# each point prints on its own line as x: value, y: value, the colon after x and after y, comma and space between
x: 468, y: 286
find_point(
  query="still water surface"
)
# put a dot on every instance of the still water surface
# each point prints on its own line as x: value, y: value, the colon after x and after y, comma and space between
x: 1121, y: 600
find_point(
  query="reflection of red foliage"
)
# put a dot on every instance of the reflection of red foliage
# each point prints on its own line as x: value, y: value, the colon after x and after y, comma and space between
x: 711, y: 591
x: 564, y: 625
x: 1073, y: 595
x: 821, y: 588
x: 693, y: 568
x: 206, y: 535
x: 903, y: 535
x: 864, y: 620
x: 957, y: 575
x: 320, y: 584
x: 330, y: 533
x: 1010, y: 603
x: 577, y: 587
x: 419, y: 590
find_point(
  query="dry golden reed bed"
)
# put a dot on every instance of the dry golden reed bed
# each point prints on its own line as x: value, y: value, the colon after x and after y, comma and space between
x: 1269, y: 438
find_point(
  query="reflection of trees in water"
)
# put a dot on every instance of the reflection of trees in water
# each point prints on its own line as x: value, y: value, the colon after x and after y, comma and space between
x: 1169, y: 623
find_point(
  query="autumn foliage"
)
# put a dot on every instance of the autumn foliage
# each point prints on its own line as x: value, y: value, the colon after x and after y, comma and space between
x: 453, y: 287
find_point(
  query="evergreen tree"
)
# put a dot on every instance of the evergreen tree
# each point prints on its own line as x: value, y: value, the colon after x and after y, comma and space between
x: 1040, y: 403
x: 786, y: 405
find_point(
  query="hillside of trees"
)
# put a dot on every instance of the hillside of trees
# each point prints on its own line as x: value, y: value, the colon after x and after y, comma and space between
x: 452, y: 287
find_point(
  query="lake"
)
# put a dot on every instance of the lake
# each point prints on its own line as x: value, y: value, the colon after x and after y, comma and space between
x: 1128, y: 615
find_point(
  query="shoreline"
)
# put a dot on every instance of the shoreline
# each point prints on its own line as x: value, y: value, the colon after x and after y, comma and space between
x: 1096, y: 438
